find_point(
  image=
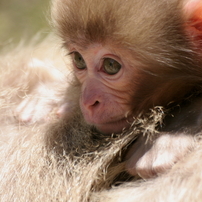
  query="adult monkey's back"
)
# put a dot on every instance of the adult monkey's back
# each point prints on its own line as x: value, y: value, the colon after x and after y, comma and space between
x: 127, y: 57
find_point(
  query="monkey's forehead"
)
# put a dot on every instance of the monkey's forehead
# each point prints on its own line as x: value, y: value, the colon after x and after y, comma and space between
x: 131, y: 21
x: 148, y: 28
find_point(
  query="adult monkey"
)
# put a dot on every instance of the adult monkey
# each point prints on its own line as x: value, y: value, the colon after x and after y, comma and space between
x: 168, y: 55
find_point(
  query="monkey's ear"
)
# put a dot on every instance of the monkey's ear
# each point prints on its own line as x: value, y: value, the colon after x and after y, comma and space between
x: 193, y: 16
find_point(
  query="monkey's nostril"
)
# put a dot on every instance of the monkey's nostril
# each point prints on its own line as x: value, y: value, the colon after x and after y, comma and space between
x: 96, y: 103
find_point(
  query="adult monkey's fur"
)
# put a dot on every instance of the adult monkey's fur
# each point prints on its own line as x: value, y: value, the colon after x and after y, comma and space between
x: 67, y: 160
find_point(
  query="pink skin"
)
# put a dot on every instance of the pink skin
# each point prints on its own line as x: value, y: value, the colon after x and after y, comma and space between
x: 104, y: 101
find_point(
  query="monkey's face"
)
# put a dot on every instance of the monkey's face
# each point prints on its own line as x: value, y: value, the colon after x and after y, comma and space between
x: 107, y: 85
x: 119, y: 83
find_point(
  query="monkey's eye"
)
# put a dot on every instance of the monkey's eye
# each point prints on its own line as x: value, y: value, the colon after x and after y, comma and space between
x: 111, y: 66
x: 79, y: 61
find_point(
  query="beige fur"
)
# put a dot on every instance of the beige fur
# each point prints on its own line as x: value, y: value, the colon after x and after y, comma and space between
x: 66, y: 159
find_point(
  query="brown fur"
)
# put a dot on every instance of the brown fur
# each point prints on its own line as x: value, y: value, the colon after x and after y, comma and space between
x: 149, y: 38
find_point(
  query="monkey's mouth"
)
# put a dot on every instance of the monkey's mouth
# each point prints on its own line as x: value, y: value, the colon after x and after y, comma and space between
x: 114, y: 126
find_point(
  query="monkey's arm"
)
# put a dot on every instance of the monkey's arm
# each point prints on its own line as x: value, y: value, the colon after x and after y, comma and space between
x: 149, y: 157
x: 155, y: 157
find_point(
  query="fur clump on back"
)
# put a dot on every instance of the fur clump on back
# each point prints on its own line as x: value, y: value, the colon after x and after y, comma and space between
x: 71, y: 169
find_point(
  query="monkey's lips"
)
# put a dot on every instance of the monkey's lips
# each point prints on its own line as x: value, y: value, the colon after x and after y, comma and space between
x: 115, y: 126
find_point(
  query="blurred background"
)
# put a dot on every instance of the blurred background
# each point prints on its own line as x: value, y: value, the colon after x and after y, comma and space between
x: 23, y: 19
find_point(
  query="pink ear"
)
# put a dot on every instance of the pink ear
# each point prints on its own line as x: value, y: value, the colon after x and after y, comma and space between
x: 193, y: 15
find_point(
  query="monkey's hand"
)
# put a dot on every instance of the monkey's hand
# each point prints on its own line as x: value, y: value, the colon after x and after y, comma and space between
x: 37, y: 106
x: 45, y: 91
x: 157, y: 156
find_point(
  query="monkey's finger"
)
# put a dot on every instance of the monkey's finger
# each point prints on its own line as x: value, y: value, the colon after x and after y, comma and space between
x: 139, y: 160
x: 23, y: 110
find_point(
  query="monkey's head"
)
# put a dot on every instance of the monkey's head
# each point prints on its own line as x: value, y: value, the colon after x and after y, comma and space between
x: 129, y: 56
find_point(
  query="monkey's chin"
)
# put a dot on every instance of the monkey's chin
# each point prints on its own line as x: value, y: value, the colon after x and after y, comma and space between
x: 113, y: 127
